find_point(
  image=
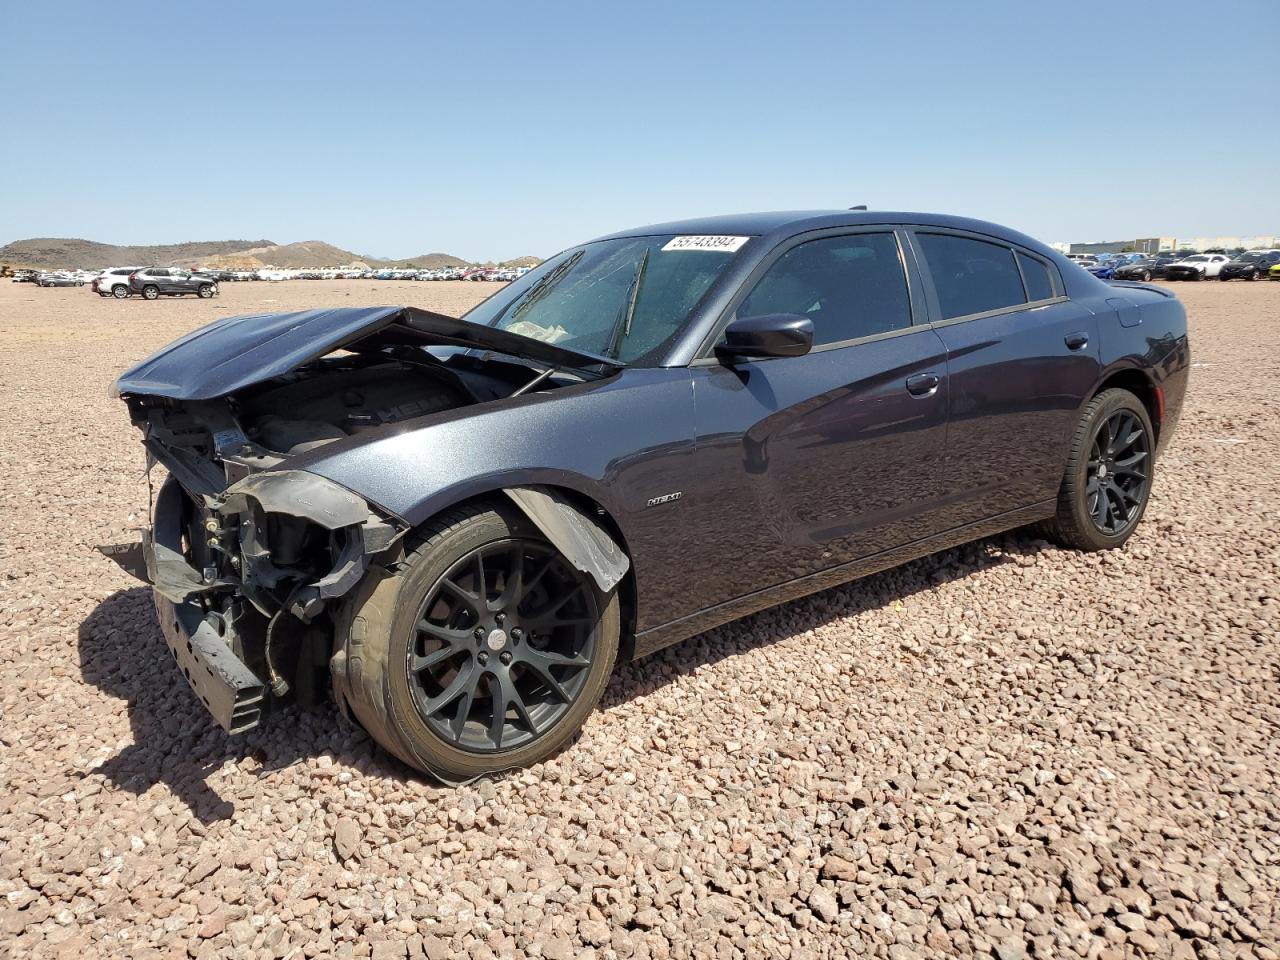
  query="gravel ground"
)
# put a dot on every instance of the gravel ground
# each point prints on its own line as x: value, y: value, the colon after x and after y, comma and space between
x: 1005, y: 749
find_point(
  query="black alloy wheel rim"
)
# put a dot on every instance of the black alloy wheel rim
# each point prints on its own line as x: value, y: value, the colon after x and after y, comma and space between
x: 502, y: 646
x: 1118, y: 474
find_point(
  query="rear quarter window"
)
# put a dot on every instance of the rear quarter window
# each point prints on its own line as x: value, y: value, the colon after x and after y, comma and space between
x: 971, y: 276
x: 1035, y: 275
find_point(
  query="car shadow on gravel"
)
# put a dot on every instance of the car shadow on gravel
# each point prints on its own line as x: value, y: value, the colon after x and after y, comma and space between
x: 123, y: 654
x: 176, y: 743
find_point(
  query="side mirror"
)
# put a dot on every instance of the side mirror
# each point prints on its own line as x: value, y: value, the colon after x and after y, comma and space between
x: 770, y: 335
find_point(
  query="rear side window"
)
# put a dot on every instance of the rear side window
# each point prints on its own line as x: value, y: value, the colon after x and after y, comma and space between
x: 971, y: 276
x: 1035, y: 274
x: 850, y: 287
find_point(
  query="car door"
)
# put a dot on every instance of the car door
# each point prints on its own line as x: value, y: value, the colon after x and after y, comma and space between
x: 179, y: 281
x: 1022, y: 359
x: 804, y: 463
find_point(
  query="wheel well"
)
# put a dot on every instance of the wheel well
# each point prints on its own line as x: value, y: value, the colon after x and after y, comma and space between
x: 626, y: 586
x: 1140, y: 385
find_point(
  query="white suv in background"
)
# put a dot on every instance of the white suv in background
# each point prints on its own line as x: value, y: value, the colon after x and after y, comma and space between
x: 114, y: 282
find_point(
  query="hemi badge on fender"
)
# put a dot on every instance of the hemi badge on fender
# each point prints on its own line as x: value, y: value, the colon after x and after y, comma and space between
x: 665, y: 498
x: 721, y: 244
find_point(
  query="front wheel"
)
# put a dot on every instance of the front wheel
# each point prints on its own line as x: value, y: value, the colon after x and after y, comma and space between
x: 150, y: 293
x: 1107, y: 482
x: 205, y: 291
x: 1146, y: 276
x: 484, y: 650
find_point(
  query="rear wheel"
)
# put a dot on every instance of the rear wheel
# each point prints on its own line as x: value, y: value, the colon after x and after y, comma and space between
x: 1256, y: 275
x: 1107, y: 482
x: 120, y: 291
x: 483, y: 651
x: 149, y: 292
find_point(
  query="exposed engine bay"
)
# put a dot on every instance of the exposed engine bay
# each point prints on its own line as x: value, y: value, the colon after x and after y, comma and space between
x: 250, y: 552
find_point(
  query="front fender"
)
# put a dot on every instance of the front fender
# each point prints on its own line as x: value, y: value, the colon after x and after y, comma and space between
x: 625, y: 443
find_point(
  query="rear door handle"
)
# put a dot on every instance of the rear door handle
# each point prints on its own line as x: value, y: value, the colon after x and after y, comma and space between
x: 923, y: 384
x: 1076, y: 341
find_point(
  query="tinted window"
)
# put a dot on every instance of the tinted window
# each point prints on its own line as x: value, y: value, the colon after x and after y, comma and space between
x: 971, y: 276
x: 1035, y: 275
x: 848, y: 286
x: 158, y: 273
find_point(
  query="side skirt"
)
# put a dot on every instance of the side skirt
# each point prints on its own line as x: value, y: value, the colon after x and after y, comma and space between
x: 656, y: 638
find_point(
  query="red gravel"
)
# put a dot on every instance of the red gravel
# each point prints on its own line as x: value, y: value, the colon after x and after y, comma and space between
x: 1005, y: 748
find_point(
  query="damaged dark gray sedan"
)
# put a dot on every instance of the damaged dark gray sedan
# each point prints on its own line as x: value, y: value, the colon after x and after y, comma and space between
x: 456, y: 527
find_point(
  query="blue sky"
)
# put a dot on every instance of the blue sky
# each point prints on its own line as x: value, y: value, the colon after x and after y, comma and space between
x: 495, y: 131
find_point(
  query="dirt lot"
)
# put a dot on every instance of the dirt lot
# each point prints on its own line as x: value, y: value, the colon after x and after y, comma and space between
x: 1005, y: 748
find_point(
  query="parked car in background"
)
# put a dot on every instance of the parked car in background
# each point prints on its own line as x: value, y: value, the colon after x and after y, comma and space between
x: 1146, y: 269
x: 26, y: 276
x: 1253, y: 265
x: 114, y: 282
x: 1199, y: 266
x: 1274, y: 272
x: 59, y: 279
x: 154, y: 282
x: 1102, y: 270
x: 461, y: 545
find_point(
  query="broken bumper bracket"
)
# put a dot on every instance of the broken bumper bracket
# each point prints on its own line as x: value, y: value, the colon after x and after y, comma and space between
x: 229, y: 690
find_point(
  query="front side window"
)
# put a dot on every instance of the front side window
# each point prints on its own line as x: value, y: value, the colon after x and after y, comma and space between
x: 623, y: 298
x: 971, y: 276
x: 850, y: 287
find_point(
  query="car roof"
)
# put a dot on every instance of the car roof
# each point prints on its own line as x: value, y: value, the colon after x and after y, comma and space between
x: 785, y: 223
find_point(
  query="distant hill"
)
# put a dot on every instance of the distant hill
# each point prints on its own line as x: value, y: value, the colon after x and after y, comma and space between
x: 307, y: 254
x: 56, y: 252
x: 63, y: 252
x: 522, y: 262
x: 427, y: 261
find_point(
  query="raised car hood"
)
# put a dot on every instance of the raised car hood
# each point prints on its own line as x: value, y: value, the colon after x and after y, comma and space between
x: 237, y: 352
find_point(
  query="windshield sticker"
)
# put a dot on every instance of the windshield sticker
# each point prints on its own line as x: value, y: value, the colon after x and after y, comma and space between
x: 718, y: 244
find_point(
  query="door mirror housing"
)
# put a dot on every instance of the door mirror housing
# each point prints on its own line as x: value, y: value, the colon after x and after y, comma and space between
x: 768, y: 335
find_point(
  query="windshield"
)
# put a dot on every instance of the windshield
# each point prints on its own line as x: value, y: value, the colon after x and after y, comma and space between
x: 1195, y: 259
x: 1252, y: 257
x: 623, y: 298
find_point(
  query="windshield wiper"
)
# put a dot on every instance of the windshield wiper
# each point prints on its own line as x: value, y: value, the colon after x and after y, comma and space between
x: 622, y: 326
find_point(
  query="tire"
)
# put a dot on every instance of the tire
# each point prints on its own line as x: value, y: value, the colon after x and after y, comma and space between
x: 205, y: 291
x: 1146, y: 276
x: 1075, y: 523
x: 120, y: 291
x: 150, y: 292
x: 379, y: 630
x: 1256, y: 275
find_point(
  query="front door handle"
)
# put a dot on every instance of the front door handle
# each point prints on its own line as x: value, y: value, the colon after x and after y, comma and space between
x: 1076, y: 341
x: 923, y: 384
